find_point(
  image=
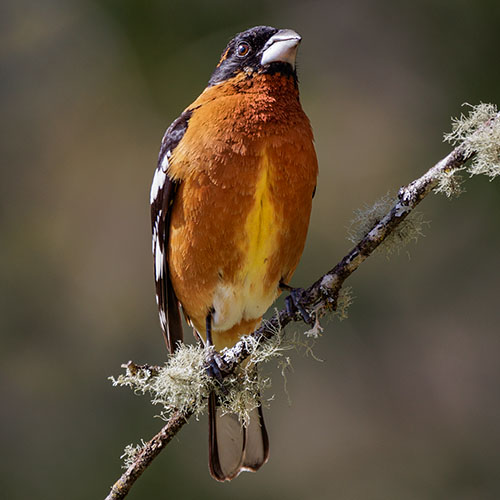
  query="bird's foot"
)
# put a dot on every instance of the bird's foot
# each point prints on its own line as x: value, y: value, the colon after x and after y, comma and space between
x: 215, y: 365
x: 294, y: 303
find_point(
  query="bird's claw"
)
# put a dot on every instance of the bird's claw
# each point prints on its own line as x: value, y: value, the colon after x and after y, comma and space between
x: 215, y: 366
x: 294, y: 304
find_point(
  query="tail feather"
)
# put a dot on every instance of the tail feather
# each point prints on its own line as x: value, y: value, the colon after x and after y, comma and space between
x: 233, y: 447
x: 226, y: 443
x: 256, y: 450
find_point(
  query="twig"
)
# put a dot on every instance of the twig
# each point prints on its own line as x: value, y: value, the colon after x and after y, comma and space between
x: 147, y: 454
x: 322, y: 295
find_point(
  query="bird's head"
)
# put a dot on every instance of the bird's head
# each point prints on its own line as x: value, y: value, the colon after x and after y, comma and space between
x: 258, y: 50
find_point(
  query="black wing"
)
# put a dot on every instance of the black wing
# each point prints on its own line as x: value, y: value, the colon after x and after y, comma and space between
x: 163, y: 190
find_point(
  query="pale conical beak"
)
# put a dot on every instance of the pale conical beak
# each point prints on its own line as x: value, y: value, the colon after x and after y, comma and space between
x: 281, y: 47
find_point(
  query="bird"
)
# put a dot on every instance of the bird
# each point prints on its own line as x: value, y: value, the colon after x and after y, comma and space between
x: 231, y: 200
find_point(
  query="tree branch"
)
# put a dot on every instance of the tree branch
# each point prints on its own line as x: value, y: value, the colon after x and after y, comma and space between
x: 147, y: 454
x: 319, y: 297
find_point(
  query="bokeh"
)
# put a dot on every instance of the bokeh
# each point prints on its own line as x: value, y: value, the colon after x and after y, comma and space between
x: 406, y: 402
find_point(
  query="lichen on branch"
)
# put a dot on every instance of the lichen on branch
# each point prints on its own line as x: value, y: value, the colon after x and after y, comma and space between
x: 183, y: 384
x: 409, y: 230
x: 478, y: 133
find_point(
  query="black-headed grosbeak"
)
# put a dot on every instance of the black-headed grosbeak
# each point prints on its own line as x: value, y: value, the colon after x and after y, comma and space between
x: 230, y: 206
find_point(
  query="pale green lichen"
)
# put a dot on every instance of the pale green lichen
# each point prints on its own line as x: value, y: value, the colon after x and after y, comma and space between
x: 184, y: 385
x: 479, y: 132
x: 316, y: 330
x: 344, y: 301
x: 368, y: 216
x: 304, y: 345
x: 242, y: 392
x: 130, y: 453
x: 285, y: 366
x: 272, y: 348
x: 450, y: 183
x: 408, y: 230
x: 181, y: 384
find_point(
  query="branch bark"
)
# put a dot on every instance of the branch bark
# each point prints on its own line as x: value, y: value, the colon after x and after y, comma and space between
x: 148, y: 453
x: 321, y: 294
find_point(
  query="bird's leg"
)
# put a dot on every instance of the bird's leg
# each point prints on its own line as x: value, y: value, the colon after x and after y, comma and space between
x: 208, y: 329
x: 294, y: 303
x: 215, y: 363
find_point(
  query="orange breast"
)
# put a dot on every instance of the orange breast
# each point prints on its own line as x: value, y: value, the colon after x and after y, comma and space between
x: 239, y: 221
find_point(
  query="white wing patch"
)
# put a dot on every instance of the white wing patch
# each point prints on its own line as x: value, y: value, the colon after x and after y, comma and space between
x: 155, y: 231
x: 159, y: 260
x: 158, y: 182
x: 164, y: 161
x: 159, y: 177
x: 163, y: 318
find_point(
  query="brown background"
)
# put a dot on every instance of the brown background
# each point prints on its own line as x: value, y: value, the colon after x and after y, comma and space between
x: 406, y: 404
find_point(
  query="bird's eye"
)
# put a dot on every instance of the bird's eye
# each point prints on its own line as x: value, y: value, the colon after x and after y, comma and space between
x: 243, y: 49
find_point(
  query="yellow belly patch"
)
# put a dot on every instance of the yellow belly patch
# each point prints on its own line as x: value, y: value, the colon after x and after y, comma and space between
x: 260, y: 229
x: 246, y: 297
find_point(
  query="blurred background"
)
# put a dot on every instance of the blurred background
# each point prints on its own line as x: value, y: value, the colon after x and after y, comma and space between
x: 406, y: 403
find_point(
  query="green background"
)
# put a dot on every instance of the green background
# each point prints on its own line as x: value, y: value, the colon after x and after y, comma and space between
x: 405, y: 405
